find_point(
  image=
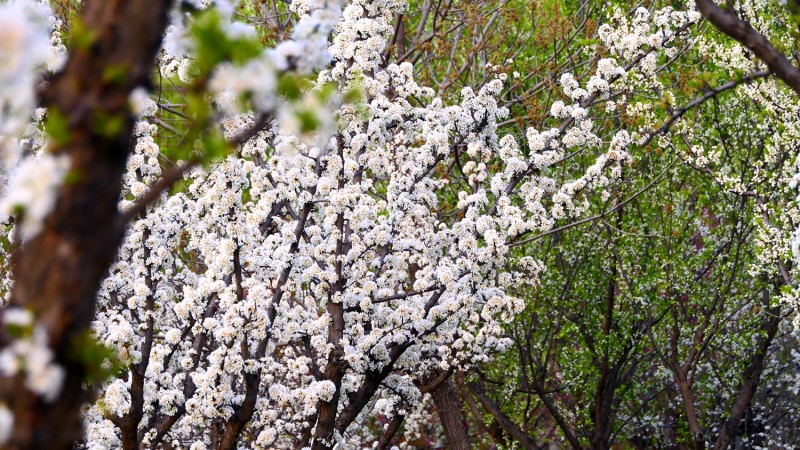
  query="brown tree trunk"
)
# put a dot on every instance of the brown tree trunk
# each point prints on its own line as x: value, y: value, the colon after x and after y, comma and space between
x: 444, y: 397
x: 525, y: 440
x: 602, y: 410
x: 552, y: 408
x: 685, y: 389
x: 391, y: 430
x: 750, y: 378
x: 57, y: 273
x: 325, y: 433
x: 235, y: 425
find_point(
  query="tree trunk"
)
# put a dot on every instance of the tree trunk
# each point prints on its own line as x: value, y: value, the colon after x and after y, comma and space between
x: 525, y: 440
x: 750, y: 378
x: 444, y: 397
x: 389, y: 432
x: 325, y: 433
x: 57, y: 273
x: 685, y: 389
x: 606, y: 385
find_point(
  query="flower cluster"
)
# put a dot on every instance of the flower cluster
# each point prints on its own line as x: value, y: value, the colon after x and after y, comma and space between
x: 31, y: 191
x: 30, y: 43
x: 30, y: 354
x: 305, y: 275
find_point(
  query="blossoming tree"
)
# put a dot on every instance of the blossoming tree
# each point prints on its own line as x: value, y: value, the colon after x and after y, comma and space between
x: 317, y: 244
x: 664, y: 323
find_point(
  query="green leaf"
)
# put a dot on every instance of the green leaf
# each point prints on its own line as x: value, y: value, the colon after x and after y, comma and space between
x: 99, y: 361
x: 215, y: 46
x: 82, y: 38
x: 115, y: 74
x: 214, y: 147
x: 107, y: 125
x: 308, y: 120
x: 57, y: 127
x: 289, y: 86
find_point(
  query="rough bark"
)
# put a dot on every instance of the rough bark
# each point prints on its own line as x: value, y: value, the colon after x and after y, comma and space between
x: 233, y: 428
x: 391, y: 430
x: 58, y: 272
x: 444, y: 397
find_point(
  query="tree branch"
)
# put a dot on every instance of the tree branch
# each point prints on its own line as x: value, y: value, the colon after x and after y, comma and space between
x: 731, y: 24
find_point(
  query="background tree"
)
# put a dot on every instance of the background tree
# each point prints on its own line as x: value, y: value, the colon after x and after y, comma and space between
x: 690, y: 295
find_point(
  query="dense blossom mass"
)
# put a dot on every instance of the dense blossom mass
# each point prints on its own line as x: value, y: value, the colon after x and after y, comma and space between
x: 367, y: 237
